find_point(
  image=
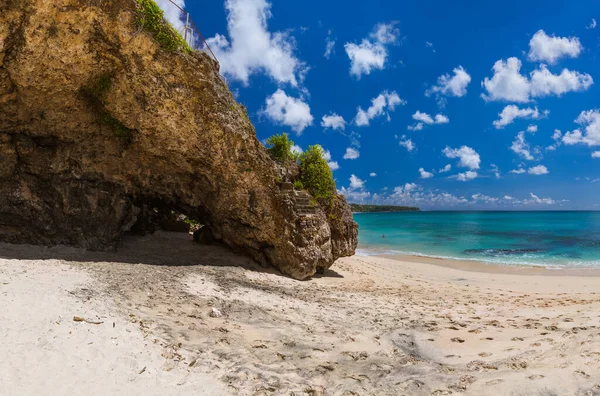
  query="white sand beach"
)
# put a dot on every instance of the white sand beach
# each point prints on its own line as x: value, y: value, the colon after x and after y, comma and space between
x: 369, y: 326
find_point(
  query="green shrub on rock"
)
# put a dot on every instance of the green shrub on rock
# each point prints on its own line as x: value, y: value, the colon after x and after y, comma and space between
x: 280, y: 147
x: 315, y: 173
x: 152, y: 19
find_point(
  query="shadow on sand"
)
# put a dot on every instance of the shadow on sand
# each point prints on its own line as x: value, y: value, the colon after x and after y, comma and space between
x: 161, y: 249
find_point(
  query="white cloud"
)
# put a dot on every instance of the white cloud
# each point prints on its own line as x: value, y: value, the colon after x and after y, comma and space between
x: 425, y: 118
x: 532, y: 128
x: 333, y: 121
x: 544, y: 48
x: 469, y: 158
x: 329, y: 45
x: 496, y: 171
x: 333, y: 165
x: 466, y: 176
x: 518, y: 171
x: 429, y: 44
x: 253, y: 48
x: 521, y: 147
x: 484, y: 198
x: 372, y: 52
x: 537, y: 200
x: 285, y: 110
x: 590, y: 121
x: 173, y: 14
x: 425, y: 174
x: 372, y: 174
x: 445, y: 169
x: 355, y: 182
x: 538, y: 170
x: 417, y: 127
x: 592, y: 24
x: 512, y: 112
x: 556, y: 135
x: 351, y: 154
x: 596, y: 154
x: 544, y: 83
x: 380, y: 105
x: 508, y: 84
x: 407, y: 143
x: 455, y: 85
x: 296, y: 149
x: 508, y: 198
x: 354, y: 195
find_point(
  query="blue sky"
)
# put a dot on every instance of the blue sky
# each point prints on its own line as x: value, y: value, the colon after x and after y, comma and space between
x: 506, y: 94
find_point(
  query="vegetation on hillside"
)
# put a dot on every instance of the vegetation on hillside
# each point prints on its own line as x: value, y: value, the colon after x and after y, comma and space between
x: 152, y: 19
x: 314, y: 172
x: 381, y: 208
x: 280, y: 148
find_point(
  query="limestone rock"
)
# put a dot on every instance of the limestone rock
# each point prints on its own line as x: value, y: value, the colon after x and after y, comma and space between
x: 167, y: 134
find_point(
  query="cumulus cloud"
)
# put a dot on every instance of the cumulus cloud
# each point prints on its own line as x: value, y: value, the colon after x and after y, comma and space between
x: 372, y: 174
x: 469, y: 158
x: 512, y: 112
x: 288, y: 111
x: 590, y: 122
x: 253, y: 48
x: 355, y: 182
x: 333, y: 121
x: 351, y: 153
x: 329, y: 45
x: 407, y: 143
x: 538, y: 170
x: 596, y: 154
x: 537, y: 200
x: 532, y: 128
x: 521, y: 147
x: 484, y: 198
x: 451, y: 85
x: 333, y: 165
x: 518, y: 171
x: 445, y: 169
x: 466, y: 176
x: 592, y: 24
x: 496, y: 171
x: 381, y: 105
x: 544, y: 48
x: 372, y: 52
x: 424, y: 174
x: 173, y: 14
x: 424, y: 118
x: 508, y: 84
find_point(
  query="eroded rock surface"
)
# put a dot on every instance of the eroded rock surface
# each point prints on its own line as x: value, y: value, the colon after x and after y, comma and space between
x: 167, y: 134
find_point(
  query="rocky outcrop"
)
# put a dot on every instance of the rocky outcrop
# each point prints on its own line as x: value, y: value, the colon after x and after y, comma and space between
x: 100, y: 126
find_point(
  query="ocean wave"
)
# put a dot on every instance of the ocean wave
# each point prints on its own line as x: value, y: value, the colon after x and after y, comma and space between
x: 512, y: 259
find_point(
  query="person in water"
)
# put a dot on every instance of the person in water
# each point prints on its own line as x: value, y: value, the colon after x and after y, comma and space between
x: 383, y: 235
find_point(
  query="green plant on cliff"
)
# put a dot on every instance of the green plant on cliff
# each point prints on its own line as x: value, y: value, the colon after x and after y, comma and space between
x: 152, y: 19
x: 315, y: 173
x: 280, y: 147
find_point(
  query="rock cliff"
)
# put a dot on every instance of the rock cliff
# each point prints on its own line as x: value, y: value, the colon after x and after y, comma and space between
x: 101, y: 127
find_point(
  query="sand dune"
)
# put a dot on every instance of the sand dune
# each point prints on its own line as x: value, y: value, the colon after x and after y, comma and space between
x: 372, y: 325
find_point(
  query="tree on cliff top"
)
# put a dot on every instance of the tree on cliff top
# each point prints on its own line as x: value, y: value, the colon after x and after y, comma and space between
x: 315, y: 173
x: 280, y: 148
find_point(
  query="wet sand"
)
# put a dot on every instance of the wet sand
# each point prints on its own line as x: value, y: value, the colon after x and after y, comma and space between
x: 369, y: 326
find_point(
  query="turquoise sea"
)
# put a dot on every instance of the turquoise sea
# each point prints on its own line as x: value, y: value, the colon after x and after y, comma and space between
x: 551, y: 239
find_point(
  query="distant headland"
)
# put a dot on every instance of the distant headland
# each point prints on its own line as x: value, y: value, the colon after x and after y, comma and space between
x: 357, y: 208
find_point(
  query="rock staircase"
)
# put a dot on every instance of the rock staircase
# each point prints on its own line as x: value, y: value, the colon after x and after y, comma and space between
x: 303, y: 202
